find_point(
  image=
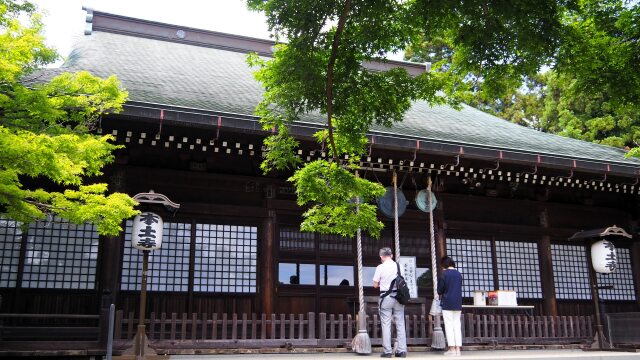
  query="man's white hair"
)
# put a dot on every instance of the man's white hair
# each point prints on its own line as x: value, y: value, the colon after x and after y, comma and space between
x: 385, y: 251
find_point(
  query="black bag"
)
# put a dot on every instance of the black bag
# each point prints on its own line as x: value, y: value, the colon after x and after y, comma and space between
x: 402, y: 289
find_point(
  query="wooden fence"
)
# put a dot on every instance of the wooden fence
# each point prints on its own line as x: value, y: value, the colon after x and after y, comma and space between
x: 185, y: 331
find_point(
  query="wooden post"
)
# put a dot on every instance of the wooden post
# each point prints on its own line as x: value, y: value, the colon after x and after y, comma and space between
x: 635, y: 263
x: 110, y: 250
x: 593, y: 281
x: 192, y: 261
x: 140, y: 342
x: 546, y: 268
x: 268, y: 263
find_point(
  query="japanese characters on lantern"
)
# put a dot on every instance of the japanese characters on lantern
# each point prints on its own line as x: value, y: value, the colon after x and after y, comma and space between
x: 603, y: 256
x: 147, y: 231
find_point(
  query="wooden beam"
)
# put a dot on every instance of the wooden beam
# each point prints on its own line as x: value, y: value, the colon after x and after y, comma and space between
x: 546, y: 268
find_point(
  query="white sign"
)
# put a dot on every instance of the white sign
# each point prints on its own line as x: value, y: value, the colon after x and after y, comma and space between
x: 147, y: 231
x: 408, y: 272
x: 603, y: 256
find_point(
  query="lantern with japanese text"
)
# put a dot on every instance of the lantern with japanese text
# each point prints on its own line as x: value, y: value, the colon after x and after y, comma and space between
x: 603, y: 256
x: 147, y: 231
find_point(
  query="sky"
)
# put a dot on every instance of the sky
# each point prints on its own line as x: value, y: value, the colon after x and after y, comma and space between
x: 64, y: 20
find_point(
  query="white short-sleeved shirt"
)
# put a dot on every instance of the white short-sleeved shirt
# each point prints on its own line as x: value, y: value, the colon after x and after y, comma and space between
x: 385, y: 273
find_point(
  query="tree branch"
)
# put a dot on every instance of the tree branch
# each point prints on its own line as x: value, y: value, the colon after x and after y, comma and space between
x: 330, y: 66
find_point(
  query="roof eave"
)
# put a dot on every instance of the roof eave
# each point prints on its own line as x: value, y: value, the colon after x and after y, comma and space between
x: 380, y: 140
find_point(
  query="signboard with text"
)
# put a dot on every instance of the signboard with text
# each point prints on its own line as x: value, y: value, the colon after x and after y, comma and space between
x: 408, y: 272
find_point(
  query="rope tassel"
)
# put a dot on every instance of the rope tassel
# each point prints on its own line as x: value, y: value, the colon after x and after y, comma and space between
x: 438, y: 340
x: 361, y: 343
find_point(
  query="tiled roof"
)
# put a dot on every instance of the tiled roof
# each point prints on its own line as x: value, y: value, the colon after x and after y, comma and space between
x: 170, y: 73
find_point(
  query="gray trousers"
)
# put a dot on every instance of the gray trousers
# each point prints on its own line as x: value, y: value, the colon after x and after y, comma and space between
x: 390, y: 307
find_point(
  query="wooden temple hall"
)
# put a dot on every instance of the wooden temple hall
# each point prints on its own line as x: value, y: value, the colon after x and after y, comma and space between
x: 235, y: 271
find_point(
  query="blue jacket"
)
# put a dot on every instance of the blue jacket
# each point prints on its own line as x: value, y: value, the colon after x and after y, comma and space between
x: 450, y: 290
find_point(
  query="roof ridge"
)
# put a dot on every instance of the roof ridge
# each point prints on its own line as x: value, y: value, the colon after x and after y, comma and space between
x: 124, y: 25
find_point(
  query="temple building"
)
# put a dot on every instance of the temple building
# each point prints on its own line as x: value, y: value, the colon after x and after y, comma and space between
x: 233, y: 258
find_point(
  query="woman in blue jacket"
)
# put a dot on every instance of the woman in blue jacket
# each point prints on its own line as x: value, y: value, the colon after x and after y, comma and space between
x: 450, y: 292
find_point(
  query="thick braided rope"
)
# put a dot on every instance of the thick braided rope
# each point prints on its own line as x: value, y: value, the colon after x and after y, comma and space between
x: 359, y: 249
x: 434, y: 264
x: 360, y: 288
x: 396, y: 228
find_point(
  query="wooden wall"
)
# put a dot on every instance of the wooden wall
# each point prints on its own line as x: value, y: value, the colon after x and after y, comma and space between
x: 266, y: 203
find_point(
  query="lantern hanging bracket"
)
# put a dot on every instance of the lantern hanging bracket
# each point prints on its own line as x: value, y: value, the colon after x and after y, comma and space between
x: 535, y: 170
x: 567, y: 177
x: 605, y: 174
x: 635, y: 182
x: 494, y: 168
x: 154, y: 198
x: 457, y: 161
x: 611, y: 231
x: 604, y: 178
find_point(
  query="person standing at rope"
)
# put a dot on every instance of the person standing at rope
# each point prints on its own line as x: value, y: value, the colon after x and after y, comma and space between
x: 388, y: 305
x: 450, y: 292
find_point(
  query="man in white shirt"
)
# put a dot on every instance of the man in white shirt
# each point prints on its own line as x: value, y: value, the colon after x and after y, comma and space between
x: 384, y: 275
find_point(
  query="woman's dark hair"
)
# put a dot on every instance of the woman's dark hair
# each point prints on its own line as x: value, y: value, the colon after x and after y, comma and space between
x: 447, y: 262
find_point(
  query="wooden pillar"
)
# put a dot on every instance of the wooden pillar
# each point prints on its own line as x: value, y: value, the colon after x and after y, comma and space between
x: 546, y: 268
x: 267, y: 278
x: 192, y: 268
x: 635, y: 263
x: 110, y: 250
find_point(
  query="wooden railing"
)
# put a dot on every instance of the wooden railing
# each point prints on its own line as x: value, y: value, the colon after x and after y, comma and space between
x: 169, y: 331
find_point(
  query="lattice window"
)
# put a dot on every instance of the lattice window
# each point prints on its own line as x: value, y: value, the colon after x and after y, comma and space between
x: 621, y: 279
x: 168, y: 266
x: 371, y: 246
x: 225, y: 258
x: 335, y: 244
x: 519, y: 268
x: 570, y: 272
x: 414, y: 245
x: 60, y: 255
x: 10, y: 243
x: 292, y: 239
x: 474, y: 261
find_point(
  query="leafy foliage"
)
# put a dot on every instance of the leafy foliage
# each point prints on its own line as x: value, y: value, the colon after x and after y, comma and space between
x: 44, y: 131
x: 322, y: 69
x: 333, y: 190
x: 591, y: 93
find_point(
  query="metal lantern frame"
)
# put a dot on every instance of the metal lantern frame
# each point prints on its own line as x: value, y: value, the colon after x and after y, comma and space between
x: 588, y: 237
x: 140, y: 341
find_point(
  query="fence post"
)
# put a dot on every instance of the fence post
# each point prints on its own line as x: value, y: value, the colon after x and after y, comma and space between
x: 112, y: 312
x: 323, y: 326
x: 312, y: 325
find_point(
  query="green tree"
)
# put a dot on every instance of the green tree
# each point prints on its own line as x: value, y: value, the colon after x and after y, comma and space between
x: 591, y: 93
x: 320, y: 69
x: 45, y: 131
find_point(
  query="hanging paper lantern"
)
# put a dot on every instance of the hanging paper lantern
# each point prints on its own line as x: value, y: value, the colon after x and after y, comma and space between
x: 385, y: 202
x: 422, y: 200
x: 603, y: 256
x: 147, y: 231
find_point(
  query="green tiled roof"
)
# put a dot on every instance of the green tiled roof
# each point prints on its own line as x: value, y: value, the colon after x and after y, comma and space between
x: 175, y: 74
